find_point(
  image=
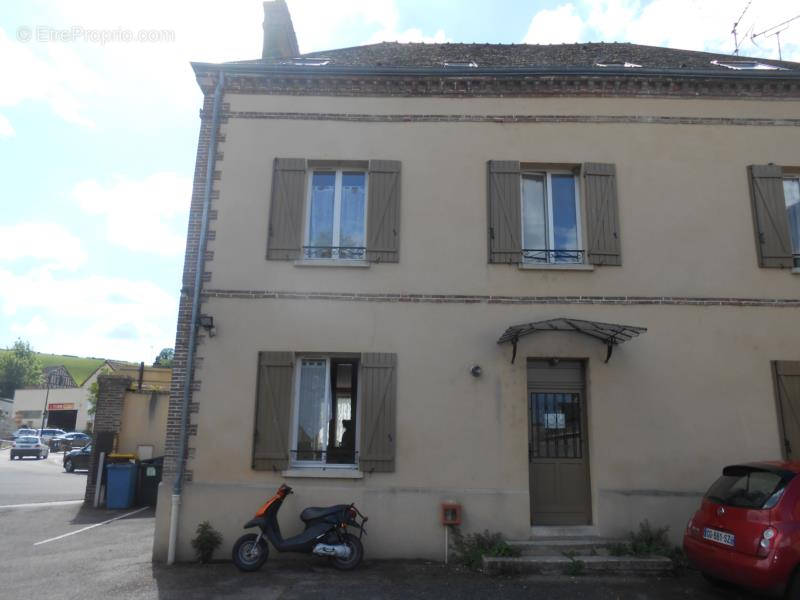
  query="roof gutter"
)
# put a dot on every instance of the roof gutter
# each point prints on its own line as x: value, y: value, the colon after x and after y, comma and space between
x: 255, y: 68
x: 177, y: 487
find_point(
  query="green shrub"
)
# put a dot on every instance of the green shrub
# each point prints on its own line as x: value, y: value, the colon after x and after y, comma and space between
x: 470, y: 549
x: 575, y: 567
x: 618, y: 549
x: 207, y: 540
x: 649, y: 540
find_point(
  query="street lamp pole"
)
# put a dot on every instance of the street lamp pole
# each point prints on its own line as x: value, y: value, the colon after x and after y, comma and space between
x: 44, y: 410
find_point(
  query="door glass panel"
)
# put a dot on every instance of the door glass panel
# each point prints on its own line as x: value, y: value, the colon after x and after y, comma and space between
x: 791, y: 194
x: 534, y: 230
x: 320, y: 222
x: 312, y: 422
x: 556, y: 425
x: 565, y: 219
x: 352, y: 229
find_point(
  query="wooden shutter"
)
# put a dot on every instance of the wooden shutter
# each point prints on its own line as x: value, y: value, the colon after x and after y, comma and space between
x: 377, y: 405
x: 285, y: 235
x: 602, y: 214
x: 505, y: 211
x: 787, y: 390
x: 273, y: 410
x: 773, y: 243
x: 383, y: 211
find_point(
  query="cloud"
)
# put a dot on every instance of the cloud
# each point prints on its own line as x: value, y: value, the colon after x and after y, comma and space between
x: 559, y: 25
x: 113, y: 317
x: 36, y: 327
x: 47, y: 242
x: 52, y: 74
x: 147, y: 215
x: 685, y: 24
x: 6, y: 130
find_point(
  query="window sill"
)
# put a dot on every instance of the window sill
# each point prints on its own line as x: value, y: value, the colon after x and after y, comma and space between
x: 555, y: 267
x: 324, y: 262
x: 318, y: 473
x: 796, y: 270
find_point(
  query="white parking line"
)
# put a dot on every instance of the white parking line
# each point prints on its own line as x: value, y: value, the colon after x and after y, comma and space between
x: 91, y: 526
x: 43, y: 504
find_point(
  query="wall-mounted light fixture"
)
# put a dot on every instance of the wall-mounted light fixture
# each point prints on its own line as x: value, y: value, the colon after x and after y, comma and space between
x: 207, y: 323
x: 476, y: 371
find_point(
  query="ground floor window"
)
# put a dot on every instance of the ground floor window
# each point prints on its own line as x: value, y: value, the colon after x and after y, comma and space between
x: 325, y: 408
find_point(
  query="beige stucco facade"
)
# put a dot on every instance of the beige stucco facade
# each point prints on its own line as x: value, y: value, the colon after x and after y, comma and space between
x: 669, y: 409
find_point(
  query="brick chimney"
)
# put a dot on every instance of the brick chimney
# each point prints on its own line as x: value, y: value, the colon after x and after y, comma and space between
x: 279, y: 38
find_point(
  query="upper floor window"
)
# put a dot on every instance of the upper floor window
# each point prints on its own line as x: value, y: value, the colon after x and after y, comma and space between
x: 330, y: 212
x: 337, y: 209
x: 775, y: 197
x: 539, y: 216
x: 791, y: 196
x: 551, y: 223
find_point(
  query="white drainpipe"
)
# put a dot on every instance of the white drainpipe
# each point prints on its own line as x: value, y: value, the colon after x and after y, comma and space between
x: 198, y: 282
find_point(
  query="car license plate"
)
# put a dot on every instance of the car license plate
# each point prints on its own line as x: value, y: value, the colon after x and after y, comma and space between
x: 719, y: 536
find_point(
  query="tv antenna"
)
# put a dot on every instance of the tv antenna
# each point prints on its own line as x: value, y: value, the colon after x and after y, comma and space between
x: 735, y: 32
x: 776, y: 32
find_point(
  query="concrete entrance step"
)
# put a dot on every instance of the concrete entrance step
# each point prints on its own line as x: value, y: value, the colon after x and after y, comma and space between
x: 563, y: 531
x: 563, y: 565
x: 559, y: 546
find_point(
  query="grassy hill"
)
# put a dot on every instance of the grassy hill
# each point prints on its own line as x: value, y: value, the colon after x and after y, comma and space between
x: 80, y: 368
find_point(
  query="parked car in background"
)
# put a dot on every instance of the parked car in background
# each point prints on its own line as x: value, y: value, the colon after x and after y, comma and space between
x: 23, y: 431
x: 48, y: 434
x: 78, y: 458
x: 28, y: 445
x: 74, y: 439
x: 747, y: 529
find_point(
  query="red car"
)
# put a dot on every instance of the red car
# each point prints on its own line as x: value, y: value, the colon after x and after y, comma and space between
x: 747, y: 530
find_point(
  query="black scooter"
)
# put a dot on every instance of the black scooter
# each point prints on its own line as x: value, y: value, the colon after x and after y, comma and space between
x: 325, y: 535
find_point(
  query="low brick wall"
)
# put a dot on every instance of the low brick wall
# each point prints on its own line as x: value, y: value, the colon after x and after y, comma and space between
x: 107, y: 422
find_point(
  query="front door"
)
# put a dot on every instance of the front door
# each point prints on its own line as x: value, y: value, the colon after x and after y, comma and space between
x: 557, y: 445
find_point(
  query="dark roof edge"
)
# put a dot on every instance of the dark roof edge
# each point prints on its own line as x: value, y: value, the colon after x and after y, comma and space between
x: 271, y: 69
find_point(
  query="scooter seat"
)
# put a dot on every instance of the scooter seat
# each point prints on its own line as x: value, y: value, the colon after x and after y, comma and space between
x: 316, y: 512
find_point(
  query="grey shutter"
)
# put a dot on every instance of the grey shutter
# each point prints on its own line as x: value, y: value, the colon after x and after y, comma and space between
x: 602, y: 214
x: 273, y: 410
x: 377, y: 406
x: 773, y: 243
x: 505, y: 211
x: 787, y: 384
x: 285, y: 235
x: 383, y: 211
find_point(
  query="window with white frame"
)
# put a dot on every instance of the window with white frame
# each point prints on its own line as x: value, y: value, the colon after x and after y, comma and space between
x: 791, y: 194
x: 551, y: 218
x: 324, y: 431
x: 336, y: 224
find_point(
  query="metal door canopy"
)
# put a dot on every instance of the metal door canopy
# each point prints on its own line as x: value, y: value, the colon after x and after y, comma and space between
x: 611, y: 334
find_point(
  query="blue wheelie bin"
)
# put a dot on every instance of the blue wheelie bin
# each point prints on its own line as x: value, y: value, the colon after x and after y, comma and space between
x: 120, y: 484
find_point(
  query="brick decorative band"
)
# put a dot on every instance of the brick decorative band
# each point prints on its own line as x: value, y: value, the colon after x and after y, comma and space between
x: 536, y: 85
x: 484, y: 299
x: 503, y: 119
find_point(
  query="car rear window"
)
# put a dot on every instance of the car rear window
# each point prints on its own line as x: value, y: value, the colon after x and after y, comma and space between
x: 749, y: 487
x: 28, y: 440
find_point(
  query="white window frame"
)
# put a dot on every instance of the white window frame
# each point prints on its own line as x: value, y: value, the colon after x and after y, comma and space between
x: 548, y: 210
x: 321, y: 464
x: 337, y: 211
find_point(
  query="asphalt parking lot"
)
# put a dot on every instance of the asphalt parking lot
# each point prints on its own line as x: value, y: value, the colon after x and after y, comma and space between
x: 51, y: 547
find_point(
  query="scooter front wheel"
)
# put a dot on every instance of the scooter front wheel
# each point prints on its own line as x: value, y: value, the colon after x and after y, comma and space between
x: 249, y: 554
x: 356, y: 553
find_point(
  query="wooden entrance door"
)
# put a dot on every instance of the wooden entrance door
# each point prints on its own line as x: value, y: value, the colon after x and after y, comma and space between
x: 558, y: 449
x: 787, y: 384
